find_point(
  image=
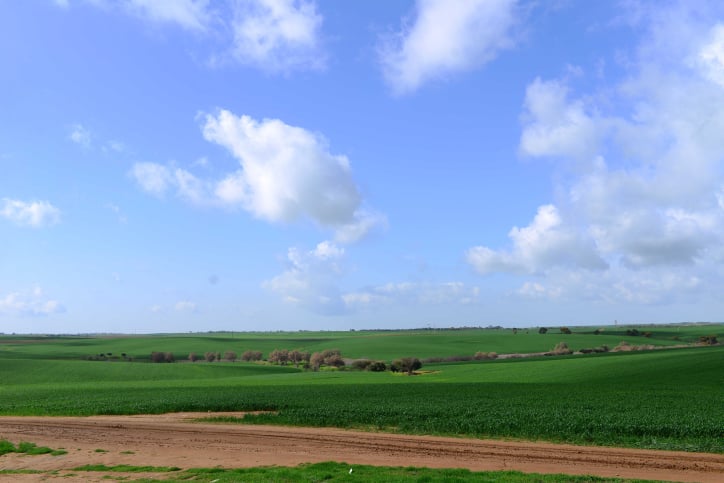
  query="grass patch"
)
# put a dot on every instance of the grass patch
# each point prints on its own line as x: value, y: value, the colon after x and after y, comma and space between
x: 28, y: 448
x: 332, y: 472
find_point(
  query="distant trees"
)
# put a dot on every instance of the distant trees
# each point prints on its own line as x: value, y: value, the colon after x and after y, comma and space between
x: 542, y: 330
x: 565, y: 330
x: 250, y: 356
x: 330, y: 357
x: 162, y: 357
x: 230, y: 356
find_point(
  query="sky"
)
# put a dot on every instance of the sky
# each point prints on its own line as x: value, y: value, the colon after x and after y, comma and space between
x: 194, y: 165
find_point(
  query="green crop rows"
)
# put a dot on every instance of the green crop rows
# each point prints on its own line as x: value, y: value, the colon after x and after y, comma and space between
x: 668, y: 399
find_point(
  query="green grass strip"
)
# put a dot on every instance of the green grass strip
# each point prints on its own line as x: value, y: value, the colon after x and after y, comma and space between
x: 28, y: 448
x: 331, y: 472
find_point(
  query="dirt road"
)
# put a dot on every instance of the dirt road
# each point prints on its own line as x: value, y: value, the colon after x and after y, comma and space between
x: 174, y: 440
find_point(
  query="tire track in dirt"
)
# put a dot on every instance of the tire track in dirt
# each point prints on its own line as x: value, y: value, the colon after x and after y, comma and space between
x: 175, y: 440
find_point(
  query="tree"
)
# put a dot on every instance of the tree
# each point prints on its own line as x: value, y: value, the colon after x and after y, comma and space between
x: 316, y: 360
x: 406, y: 364
x: 193, y: 357
x: 542, y: 330
x: 230, y: 356
x: 210, y: 356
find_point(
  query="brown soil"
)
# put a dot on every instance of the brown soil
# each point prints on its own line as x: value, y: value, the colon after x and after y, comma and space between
x: 175, y: 440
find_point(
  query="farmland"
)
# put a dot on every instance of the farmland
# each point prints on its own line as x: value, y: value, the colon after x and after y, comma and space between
x: 666, y: 399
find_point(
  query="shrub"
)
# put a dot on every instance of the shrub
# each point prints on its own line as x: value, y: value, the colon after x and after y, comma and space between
x: 193, y: 357
x: 542, y: 330
x: 157, y: 357
x: 708, y: 339
x: 249, y: 356
x: 633, y: 332
x: 561, y: 349
x: 361, y: 364
x: 316, y: 360
x: 377, y: 366
x: 334, y: 360
x: 565, y: 330
x: 210, y: 356
x: 482, y: 356
x: 406, y: 364
x: 168, y: 357
x: 230, y: 356
x: 278, y: 356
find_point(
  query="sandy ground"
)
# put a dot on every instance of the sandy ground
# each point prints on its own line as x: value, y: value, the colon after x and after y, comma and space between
x: 175, y: 440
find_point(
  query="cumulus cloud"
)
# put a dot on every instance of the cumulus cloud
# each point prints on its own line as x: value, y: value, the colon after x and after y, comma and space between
x: 546, y: 242
x: 643, y: 203
x: 557, y: 126
x: 311, y: 277
x: 29, y: 213
x: 287, y: 173
x: 277, y: 35
x: 33, y: 303
x: 447, y: 37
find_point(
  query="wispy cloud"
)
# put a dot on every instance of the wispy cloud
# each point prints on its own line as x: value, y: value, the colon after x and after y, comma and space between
x: 35, y: 214
x: 445, y: 38
x: 33, y: 303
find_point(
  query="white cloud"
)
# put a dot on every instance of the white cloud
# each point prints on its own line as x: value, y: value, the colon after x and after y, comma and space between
x: 153, y: 178
x: 288, y: 173
x: 644, y: 195
x: 409, y: 293
x: 555, y: 126
x: 80, y: 135
x: 711, y: 55
x: 33, y: 303
x: 545, y: 243
x: 277, y: 35
x: 447, y: 37
x: 34, y: 213
x: 311, y: 278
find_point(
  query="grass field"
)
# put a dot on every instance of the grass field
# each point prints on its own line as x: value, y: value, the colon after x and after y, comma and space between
x: 384, y: 345
x: 667, y: 399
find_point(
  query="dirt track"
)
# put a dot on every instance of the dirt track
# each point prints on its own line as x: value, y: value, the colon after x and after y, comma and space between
x: 173, y: 440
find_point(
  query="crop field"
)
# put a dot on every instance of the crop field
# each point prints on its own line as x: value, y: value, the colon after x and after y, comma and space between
x: 384, y: 345
x: 665, y: 399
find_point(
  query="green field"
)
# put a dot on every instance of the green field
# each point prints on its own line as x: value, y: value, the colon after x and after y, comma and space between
x: 665, y: 399
x: 384, y: 345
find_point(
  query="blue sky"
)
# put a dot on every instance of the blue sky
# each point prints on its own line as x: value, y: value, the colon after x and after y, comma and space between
x: 187, y: 165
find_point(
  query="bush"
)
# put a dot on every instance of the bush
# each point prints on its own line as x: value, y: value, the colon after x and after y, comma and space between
x: 633, y: 332
x: 406, y: 364
x: 482, y: 356
x: 561, y: 349
x: 565, y: 330
x: 230, y: 356
x: 157, y: 356
x: 168, y: 357
x: 249, y: 356
x: 361, y: 364
x: 193, y: 357
x: 377, y: 366
x: 210, y: 356
x: 708, y: 339
x: 542, y: 330
x: 278, y: 356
